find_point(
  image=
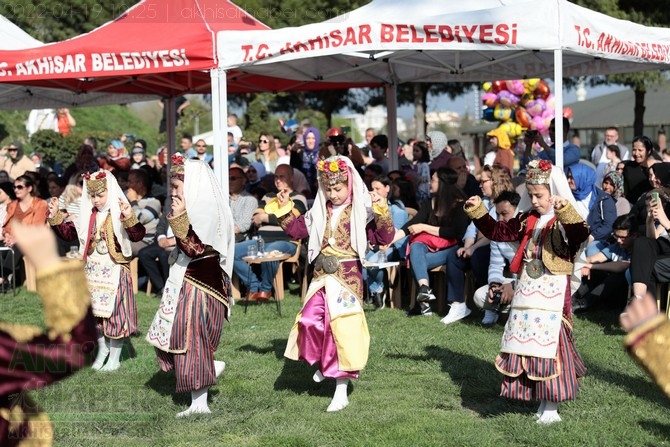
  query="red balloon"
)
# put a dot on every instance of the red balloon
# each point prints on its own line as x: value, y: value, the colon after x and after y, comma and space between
x: 542, y: 90
x: 522, y: 117
x: 567, y: 113
x: 498, y: 86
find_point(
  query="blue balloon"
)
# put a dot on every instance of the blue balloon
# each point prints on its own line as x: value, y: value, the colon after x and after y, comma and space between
x: 487, y: 114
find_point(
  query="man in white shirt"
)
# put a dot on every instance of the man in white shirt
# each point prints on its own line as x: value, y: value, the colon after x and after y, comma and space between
x: 599, y: 153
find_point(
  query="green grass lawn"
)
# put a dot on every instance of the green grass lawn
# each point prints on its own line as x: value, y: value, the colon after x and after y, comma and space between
x: 426, y: 384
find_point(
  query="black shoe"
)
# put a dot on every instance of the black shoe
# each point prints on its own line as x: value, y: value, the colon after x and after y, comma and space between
x: 580, y: 305
x: 420, y: 309
x: 425, y: 294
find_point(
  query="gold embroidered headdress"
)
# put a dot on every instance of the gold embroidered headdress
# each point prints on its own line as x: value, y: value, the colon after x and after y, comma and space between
x: 96, y: 182
x: 538, y: 172
x: 332, y: 172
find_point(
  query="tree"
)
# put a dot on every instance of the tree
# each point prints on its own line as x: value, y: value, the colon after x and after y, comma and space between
x: 54, y: 20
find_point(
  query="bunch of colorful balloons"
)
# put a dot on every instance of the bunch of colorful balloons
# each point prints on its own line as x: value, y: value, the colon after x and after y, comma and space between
x: 519, y: 105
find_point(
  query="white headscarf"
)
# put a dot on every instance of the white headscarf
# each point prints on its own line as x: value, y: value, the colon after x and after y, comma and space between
x: 114, y: 193
x: 208, y: 211
x: 558, y: 184
x: 361, y: 202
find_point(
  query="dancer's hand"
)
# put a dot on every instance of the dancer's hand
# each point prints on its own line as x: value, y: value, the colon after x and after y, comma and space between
x: 53, y: 206
x: 126, y: 209
x: 559, y: 202
x: 472, y: 202
x: 178, y: 205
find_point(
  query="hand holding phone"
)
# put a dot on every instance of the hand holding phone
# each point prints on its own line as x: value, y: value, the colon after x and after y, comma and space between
x: 654, y: 197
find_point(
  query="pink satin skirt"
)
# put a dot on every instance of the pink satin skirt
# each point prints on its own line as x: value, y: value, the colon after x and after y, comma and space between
x: 316, y: 343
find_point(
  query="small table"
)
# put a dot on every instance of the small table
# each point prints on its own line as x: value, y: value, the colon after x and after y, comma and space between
x: 392, y: 275
x: 277, y: 282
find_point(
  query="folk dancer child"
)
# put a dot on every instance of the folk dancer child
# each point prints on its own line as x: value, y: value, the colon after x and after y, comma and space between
x: 105, y: 228
x: 331, y: 329
x: 538, y: 358
x: 187, y: 326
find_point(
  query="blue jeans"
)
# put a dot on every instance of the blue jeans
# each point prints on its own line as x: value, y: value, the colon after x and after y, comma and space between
x: 456, y: 267
x: 595, y: 247
x: 268, y: 269
x: 421, y: 259
x: 375, y: 277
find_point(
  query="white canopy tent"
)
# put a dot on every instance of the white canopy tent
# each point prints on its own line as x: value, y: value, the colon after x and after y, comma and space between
x: 388, y: 42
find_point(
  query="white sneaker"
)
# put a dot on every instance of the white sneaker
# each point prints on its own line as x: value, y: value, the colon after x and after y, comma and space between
x: 457, y: 312
x: 490, y: 318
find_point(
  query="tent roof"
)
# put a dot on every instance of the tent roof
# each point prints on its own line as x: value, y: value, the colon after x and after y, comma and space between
x: 156, y: 48
x: 395, y: 41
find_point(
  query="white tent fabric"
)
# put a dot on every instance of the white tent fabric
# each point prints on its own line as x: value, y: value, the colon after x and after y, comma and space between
x: 396, y: 41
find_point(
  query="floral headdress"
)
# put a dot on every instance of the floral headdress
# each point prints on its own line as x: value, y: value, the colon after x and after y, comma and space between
x: 538, y: 172
x: 177, y: 169
x: 96, y: 182
x: 332, y: 172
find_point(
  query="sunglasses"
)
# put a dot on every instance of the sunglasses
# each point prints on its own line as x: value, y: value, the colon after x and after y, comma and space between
x: 253, y: 171
x: 263, y: 141
x: 235, y: 178
x: 12, y: 148
x: 200, y: 145
x: 19, y: 187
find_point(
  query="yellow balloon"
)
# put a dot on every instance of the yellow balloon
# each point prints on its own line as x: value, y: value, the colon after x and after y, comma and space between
x: 502, y: 113
x: 487, y: 86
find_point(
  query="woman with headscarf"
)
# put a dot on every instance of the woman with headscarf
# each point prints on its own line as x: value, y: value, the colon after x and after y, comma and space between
x: 255, y: 173
x: 331, y: 330
x: 105, y: 228
x: 187, y: 326
x: 311, y: 140
x: 613, y: 185
x: 14, y: 161
x: 593, y: 203
x: 538, y: 357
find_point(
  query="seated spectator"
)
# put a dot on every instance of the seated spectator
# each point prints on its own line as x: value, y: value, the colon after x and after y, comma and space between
x: 659, y: 182
x: 379, y: 150
x: 649, y: 248
x: 154, y: 258
x: 437, y: 143
x: 381, y: 186
x: 502, y: 254
x: 605, y: 274
x: 116, y: 159
x: 147, y: 209
x: 475, y: 252
x: 242, y: 204
x: 371, y: 172
x: 255, y: 173
x: 636, y: 171
x: 260, y: 288
x: 613, y: 185
x: 466, y: 181
x: 593, y: 204
x: 435, y: 231
x: 27, y: 209
x: 56, y: 186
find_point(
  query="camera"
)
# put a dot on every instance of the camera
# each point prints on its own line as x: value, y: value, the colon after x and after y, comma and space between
x: 496, y: 294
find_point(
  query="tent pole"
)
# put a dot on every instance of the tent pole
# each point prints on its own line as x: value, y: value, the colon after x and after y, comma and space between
x: 220, y: 123
x: 558, y: 97
x: 392, y: 124
x: 171, y: 123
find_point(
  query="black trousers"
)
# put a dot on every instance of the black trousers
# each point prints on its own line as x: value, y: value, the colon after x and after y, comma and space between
x: 646, y: 252
x: 157, y: 271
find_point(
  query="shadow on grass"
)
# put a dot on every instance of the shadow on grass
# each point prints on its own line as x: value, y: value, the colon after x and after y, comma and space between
x: 637, y: 386
x: 278, y: 346
x: 297, y: 377
x: 656, y: 428
x: 478, y: 379
x: 164, y: 384
x: 606, y: 318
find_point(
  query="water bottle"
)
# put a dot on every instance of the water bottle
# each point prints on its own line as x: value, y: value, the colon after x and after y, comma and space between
x: 381, y: 257
x: 261, y: 245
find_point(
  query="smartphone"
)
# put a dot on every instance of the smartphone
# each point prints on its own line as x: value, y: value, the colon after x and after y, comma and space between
x: 654, y: 197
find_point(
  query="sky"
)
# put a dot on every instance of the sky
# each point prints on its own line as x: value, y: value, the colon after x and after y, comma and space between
x: 467, y: 101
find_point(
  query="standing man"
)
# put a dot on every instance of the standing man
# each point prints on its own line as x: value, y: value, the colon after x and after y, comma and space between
x: 378, y: 149
x: 571, y: 152
x: 180, y: 104
x: 599, y: 153
x: 201, y: 152
x: 187, y: 146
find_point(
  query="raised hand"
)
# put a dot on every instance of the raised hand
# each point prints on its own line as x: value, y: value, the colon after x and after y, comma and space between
x: 126, y: 209
x: 52, y: 204
x: 178, y: 205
